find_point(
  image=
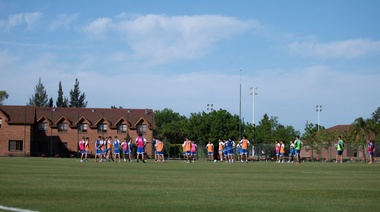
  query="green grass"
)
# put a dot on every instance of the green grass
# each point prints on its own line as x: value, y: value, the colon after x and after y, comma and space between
x: 55, y: 184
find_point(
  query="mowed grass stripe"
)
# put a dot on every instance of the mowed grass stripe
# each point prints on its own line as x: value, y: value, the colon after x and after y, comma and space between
x: 55, y: 184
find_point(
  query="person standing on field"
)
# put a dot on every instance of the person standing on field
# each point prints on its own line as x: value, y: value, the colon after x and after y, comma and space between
x: 81, y: 148
x: 371, y: 149
x: 159, y: 145
x: 98, y: 148
x: 86, y: 148
x: 230, y: 150
x: 116, y: 148
x: 220, y: 150
x: 282, y: 152
x: 339, y: 150
x: 140, y: 143
x: 298, y: 147
x: 291, y: 152
x: 244, y: 143
x: 210, y: 151
x: 277, y: 148
x: 187, y: 149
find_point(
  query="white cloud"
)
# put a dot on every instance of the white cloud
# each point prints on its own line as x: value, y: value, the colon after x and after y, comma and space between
x: 63, y: 21
x: 341, y: 49
x: 161, y: 38
x: 15, y: 20
x: 98, y: 27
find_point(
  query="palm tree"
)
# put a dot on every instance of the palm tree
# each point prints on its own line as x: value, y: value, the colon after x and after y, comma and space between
x: 361, y: 132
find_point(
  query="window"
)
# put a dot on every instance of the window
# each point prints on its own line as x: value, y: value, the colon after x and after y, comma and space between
x: 15, y: 145
x: 1, y: 122
x: 141, y: 128
x: 62, y: 127
x: 121, y: 128
x: 82, y: 127
x: 43, y: 126
x: 102, y: 127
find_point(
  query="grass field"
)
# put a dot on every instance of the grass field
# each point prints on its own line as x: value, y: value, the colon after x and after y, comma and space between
x: 57, y: 184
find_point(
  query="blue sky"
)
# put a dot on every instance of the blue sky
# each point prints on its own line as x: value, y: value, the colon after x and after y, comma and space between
x: 184, y: 55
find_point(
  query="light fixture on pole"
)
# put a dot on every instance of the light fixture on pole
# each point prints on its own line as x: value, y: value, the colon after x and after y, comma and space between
x: 210, y: 107
x: 254, y: 92
x: 319, y: 110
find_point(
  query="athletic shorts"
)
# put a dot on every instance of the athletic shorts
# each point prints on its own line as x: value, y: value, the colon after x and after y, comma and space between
x: 160, y: 153
x: 244, y: 151
x: 140, y: 150
x: 85, y: 152
x: 230, y: 152
x: 82, y: 151
x: 116, y: 151
x: 297, y: 151
x: 291, y: 152
x: 98, y: 151
x: 370, y: 153
x: 210, y: 153
x: 281, y: 154
x: 339, y: 152
x: 193, y: 153
x: 108, y: 150
x: 277, y: 153
x: 220, y: 151
x: 187, y: 153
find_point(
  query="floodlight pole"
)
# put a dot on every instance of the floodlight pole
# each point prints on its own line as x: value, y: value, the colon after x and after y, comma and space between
x: 319, y: 110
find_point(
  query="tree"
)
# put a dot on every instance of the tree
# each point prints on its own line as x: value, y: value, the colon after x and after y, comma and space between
x: 40, y: 98
x: 361, y: 132
x: 3, y: 96
x: 76, y: 98
x: 62, y: 101
x: 376, y: 115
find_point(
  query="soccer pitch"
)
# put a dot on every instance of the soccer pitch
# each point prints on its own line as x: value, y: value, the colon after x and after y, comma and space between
x: 65, y: 184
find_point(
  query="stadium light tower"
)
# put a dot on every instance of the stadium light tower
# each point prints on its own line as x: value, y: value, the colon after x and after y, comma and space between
x: 254, y: 92
x: 319, y: 110
x: 210, y: 107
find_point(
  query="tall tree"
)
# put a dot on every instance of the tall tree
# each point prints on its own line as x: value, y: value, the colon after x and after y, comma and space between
x: 3, y: 96
x: 361, y: 132
x: 76, y: 98
x: 62, y: 101
x: 376, y: 115
x: 40, y: 98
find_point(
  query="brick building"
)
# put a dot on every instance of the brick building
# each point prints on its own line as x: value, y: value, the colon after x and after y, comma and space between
x: 27, y: 130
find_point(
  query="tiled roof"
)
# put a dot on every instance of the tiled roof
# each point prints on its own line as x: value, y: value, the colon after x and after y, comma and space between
x: 343, y: 127
x: 16, y: 115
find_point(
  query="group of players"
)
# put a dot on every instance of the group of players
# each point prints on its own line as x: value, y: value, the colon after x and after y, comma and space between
x: 104, y: 146
x: 225, y: 150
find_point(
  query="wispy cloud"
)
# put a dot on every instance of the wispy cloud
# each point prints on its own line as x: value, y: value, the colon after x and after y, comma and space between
x: 15, y: 20
x: 341, y: 49
x: 63, y: 21
x: 98, y: 27
x: 165, y: 38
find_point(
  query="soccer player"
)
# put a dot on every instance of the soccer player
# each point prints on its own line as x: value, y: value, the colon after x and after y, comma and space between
x: 116, y: 148
x: 103, y: 147
x: 210, y: 151
x: 187, y: 149
x: 86, y: 148
x: 108, y: 145
x: 339, y: 150
x: 130, y: 148
x: 282, y: 152
x: 140, y: 143
x: 244, y: 149
x: 159, y: 145
x: 239, y: 152
x: 230, y: 150
x: 98, y: 147
x: 81, y: 148
x: 277, y: 148
x: 220, y: 150
x: 371, y: 149
x: 193, y: 150
x: 291, y: 152
x: 124, y: 145
x: 297, y: 147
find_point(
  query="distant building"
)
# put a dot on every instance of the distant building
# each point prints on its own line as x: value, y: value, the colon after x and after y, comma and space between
x: 27, y: 130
